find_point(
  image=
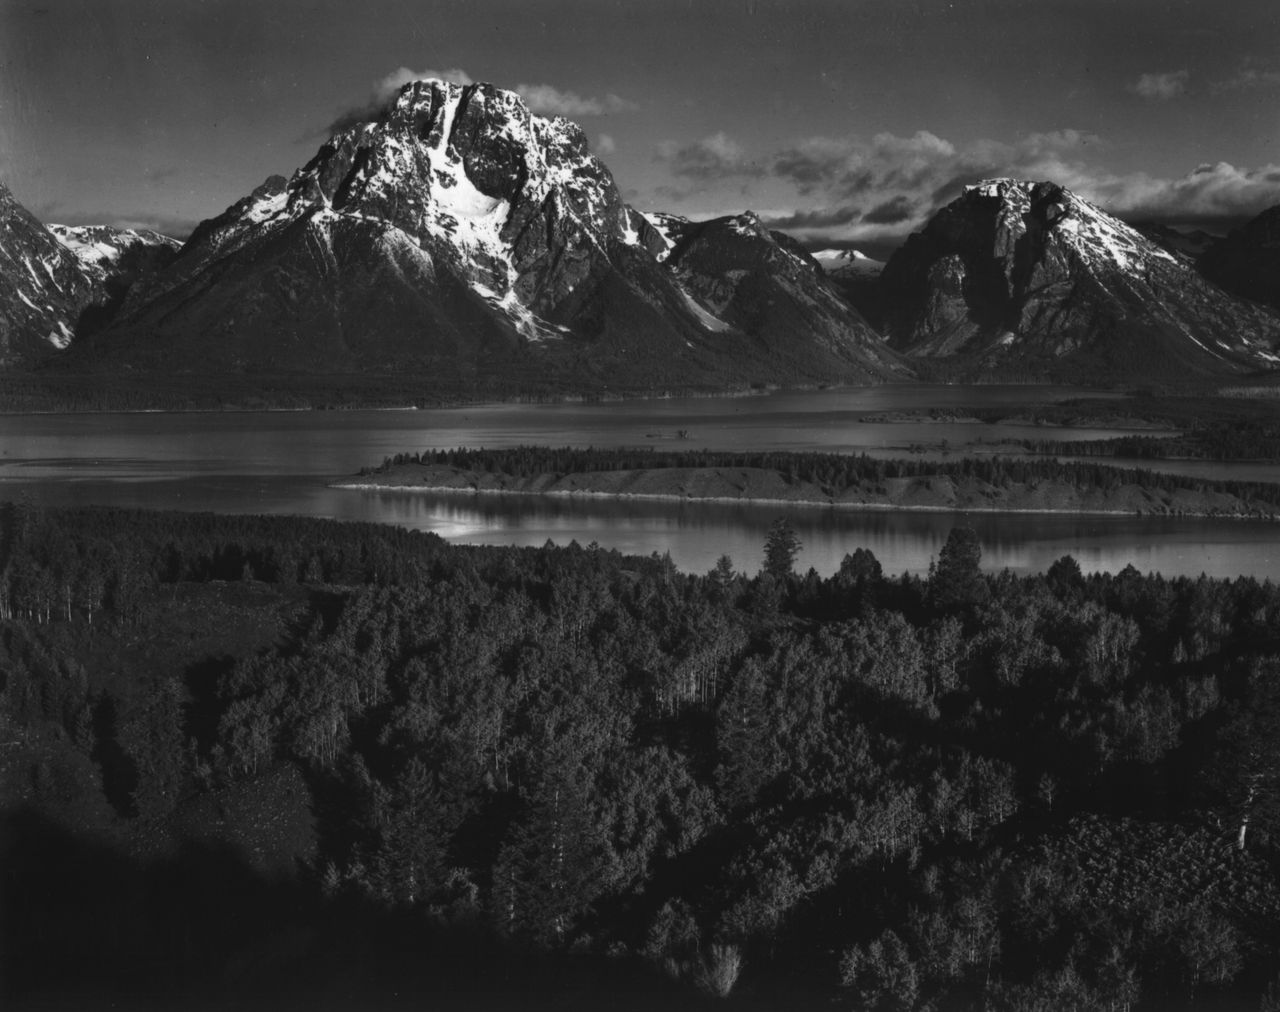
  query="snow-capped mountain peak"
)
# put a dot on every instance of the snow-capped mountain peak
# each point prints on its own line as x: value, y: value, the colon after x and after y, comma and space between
x: 848, y: 263
x: 453, y: 231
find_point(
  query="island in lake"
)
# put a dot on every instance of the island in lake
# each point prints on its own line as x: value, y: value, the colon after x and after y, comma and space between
x: 995, y: 484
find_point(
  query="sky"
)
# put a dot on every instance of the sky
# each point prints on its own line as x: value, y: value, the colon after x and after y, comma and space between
x: 845, y: 122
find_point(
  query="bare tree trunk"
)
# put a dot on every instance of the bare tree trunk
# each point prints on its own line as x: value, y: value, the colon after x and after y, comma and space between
x: 1248, y: 810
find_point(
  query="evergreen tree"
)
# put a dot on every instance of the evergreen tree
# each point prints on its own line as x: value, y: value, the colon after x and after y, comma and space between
x: 955, y: 579
x: 781, y: 549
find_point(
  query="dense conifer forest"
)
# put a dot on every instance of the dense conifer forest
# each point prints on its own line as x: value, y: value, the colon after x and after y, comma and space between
x: 266, y: 762
x: 834, y: 473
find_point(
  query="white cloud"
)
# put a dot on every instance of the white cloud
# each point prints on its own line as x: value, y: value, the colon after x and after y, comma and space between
x: 1247, y: 79
x: 1210, y: 193
x: 717, y: 156
x: 384, y: 89
x: 548, y: 100
x: 605, y: 145
x: 1162, y: 87
x: 881, y: 187
x: 398, y: 78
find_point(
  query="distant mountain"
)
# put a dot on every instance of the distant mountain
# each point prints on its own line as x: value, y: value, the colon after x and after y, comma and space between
x: 765, y: 284
x: 462, y: 239
x: 110, y: 254
x: 1247, y: 262
x: 847, y: 262
x: 1190, y: 246
x: 1021, y: 278
x: 114, y: 260
x: 43, y: 287
x: 857, y: 277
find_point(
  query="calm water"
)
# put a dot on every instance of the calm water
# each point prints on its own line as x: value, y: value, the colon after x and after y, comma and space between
x: 282, y: 463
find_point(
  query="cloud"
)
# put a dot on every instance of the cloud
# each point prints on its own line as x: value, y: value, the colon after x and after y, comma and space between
x: 715, y: 157
x: 1247, y: 79
x: 803, y: 221
x: 672, y: 194
x: 891, y: 212
x: 606, y: 145
x: 920, y: 171
x: 1214, y: 195
x: 547, y: 100
x: 387, y: 87
x: 1161, y: 87
x: 161, y: 174
x: 543, y: 99
x: 903, y: 180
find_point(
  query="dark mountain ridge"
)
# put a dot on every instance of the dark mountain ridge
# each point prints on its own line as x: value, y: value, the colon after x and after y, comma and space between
x: 1028, y: 277
x: 1247, y: 262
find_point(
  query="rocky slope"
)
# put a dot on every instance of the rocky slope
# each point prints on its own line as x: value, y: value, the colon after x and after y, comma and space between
x: 43, y: 287
x: 1188, y: 245
x: 1247, y: 262
x: 114, y: 259
x: 1027, y: 279
x: 741, y: 276
x: 460, y: 238
x: 112, y: 255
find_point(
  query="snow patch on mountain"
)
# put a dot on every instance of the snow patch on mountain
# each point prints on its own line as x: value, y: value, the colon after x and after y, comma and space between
x: 848, y: 262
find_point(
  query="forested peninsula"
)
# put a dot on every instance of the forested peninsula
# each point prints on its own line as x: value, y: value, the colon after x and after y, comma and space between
x: 284, y: 763
x: 983, y: 484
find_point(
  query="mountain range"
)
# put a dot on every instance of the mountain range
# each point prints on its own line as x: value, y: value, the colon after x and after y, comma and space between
x: 462, y: 244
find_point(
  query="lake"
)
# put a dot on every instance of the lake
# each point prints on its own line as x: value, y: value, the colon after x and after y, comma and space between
x: 284, y: 462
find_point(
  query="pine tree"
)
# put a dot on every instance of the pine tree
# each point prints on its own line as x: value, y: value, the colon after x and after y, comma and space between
x: 781, y: 548
x: 955, y: 579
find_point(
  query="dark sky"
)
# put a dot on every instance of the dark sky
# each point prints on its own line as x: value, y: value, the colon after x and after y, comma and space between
x: 845, y: 121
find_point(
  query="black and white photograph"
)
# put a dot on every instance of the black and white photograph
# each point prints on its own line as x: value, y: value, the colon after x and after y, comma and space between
x: 562, y: 505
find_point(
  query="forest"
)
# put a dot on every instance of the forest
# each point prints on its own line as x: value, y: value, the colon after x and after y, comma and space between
x: 270, y: 761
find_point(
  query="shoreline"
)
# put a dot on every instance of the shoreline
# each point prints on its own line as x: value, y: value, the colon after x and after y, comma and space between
x: 806, y: 503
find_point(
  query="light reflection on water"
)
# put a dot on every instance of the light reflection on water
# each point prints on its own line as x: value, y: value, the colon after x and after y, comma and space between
x: 282, y: 462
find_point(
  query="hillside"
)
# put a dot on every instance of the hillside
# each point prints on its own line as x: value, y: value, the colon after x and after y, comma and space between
x: 367, y: 769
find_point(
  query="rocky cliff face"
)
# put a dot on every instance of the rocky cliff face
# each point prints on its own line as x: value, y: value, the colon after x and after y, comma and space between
x: 1247, y: 262
x: 43, y: 288
x: 1028, y: 278
x: 458, y: 236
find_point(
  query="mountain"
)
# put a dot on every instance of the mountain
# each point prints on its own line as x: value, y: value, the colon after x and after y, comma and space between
x: 1190, y: 246
x: 742, y: 276
x: 1247, y: 262
x: 857, y: 277
x: 43, y: 287
x: 1027, y: 279
x: 461, y: 239
x: 116, y: 255
x: 114, y: 260
x: 847, y: 262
